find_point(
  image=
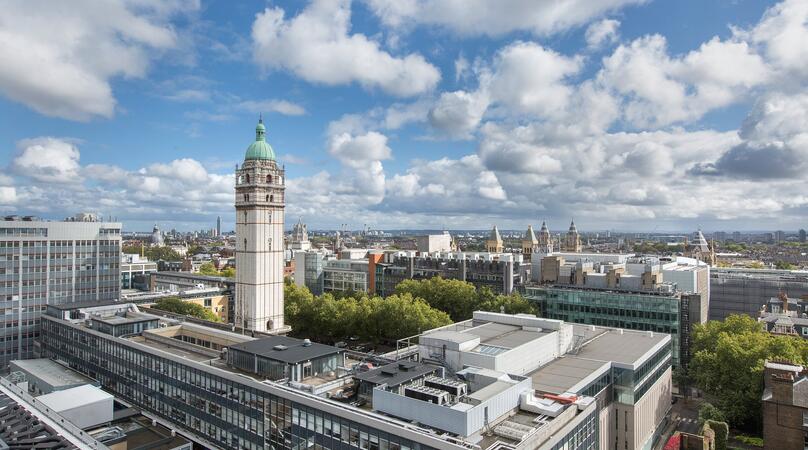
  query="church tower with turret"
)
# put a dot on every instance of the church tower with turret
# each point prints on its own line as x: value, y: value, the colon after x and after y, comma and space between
x: 259, y: 238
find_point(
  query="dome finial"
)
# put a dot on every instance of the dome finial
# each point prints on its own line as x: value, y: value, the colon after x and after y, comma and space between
x: 261, y: 117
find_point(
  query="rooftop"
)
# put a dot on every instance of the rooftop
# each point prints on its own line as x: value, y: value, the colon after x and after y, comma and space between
x: 52, y: 372
x: 397, y: 373
x: 286, y: 349
x: 623, y: 346
x: 562, y: 374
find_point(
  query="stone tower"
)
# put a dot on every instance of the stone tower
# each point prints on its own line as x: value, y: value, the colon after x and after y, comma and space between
x: 494, y: 242
x: 545, y: 240
x: 259, y: 238
x: 572, y: 241
x: 529, y: 243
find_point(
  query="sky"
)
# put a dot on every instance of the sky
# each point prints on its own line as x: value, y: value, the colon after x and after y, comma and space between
x: 633, y: 115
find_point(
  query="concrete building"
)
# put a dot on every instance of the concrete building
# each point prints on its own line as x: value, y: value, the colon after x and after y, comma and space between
x: 495, y: 381
x: 785, y: 406
x: 745, y: 291
x: 260, y: 186
x: 136, y: 271
x: 46, y: 263
x: 215, y: 299
x: 434, y: 243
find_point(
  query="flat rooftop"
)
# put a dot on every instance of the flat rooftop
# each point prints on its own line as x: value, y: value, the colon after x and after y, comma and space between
x: 562, y: 374
x: 176, y: 351
x: 88, y: 304
x: 396, y: 373
x: 52, y: 372
x: 626, y: 347
x: 128, y: 317
x: 294, y: 350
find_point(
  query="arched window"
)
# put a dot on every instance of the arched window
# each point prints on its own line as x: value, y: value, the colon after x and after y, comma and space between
x: 267, y: 198
x: 248, y: 178
x: 271, y: 198
x: 239, y: 179
x: 245, y: 244
x: 269, y: 179
x: 246, y: 197
x: 269, y: 324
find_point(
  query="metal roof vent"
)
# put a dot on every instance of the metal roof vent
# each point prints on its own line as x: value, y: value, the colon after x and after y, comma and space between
x: 306, y: 343
x: 279, y: 347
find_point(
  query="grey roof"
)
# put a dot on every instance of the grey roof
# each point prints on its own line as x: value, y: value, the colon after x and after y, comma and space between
x: 563, y: 373
x: 88, y: 304
x: 130, y: 317
x: 494, y: 236
x: 625, y: 348
x: 530, y: 235
x: 52, y: 373
x: 294, y: 352
x: 397, y: 373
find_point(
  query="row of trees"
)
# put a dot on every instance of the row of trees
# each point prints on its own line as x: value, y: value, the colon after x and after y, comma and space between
x: 460, y: 299
x: 153, y: 253
x: 727, y: 365
x: 177, y: 306
x: 416, y: 306
x: 375, y: 319
x: 210, y: 270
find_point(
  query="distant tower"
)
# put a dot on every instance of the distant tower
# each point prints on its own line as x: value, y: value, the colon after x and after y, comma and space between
x: 218, y: 225
x: 700, y: 249
x: 572, y: 241
x: 259, y: 238
x: 529, y: 243
x: 300, y: 237
x: 156, y: 236
x: 494, y: 242
x: 545, y: 240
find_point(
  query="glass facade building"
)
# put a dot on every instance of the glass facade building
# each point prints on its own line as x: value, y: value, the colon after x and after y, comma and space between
x: 629, y: 310
x: 48, y: 263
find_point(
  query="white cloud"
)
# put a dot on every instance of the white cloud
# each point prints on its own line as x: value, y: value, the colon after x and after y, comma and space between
x: 483, y: 17
x: 317, y: 46
x: 659, y: 90
x: 783, y: 32
x: 47, y: 159
x: 458, y: 113
x: 59, y: 58
x: 529, y: 78
x: 273, y: 105
x: 8, y: 195
x: 603, y: 32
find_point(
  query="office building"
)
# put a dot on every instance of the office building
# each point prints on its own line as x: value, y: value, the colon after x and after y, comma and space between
x: 785, y: 406
x: 494, y: 381
x: 380, y: 272
x: 136, y: 271
x: 218, y: 226
x: 260, y: 186
x: 745, y: 291
x: 45, y: 263
x: 801, y: 235
x: 624, y: 291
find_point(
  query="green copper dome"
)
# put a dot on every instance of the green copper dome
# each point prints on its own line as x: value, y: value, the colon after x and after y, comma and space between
x: 260, y: 149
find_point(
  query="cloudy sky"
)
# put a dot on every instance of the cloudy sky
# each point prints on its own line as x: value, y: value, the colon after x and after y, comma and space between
x: 624, y: 114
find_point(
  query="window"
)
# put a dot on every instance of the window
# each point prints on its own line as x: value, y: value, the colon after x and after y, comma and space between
x: 245, y: 244
x: 248, y: 178
x: 272, y: 198
x: 208, y: 302
x: 246, y: 197
x: 269, y: 179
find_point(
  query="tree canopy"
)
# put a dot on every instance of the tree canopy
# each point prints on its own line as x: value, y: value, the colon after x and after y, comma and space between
x: 460, y: 299
x: 178, y: 306
x: 373, y: 319
x: 727, y: 364
x: 210, y: 270
x: 153, y: 253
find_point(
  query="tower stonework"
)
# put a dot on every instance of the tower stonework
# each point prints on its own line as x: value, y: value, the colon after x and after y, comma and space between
x: 260, y: 186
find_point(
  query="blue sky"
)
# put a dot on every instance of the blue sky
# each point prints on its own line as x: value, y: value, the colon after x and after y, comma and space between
x: 626, y: 114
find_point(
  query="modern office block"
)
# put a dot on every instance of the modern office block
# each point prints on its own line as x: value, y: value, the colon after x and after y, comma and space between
x: 494, y: 381
x: 745, y: 291
x: 47, y: 263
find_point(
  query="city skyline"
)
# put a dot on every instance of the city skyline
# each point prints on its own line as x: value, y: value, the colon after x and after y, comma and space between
x: 610, y: 112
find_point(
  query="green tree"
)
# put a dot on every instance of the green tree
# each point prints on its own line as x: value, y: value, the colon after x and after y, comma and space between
x: 208, y: 269
x: 727, y: 365
x: 709, y: 412
x: 178, y: 306
x: 228, y: 272
x: 153, y: 253
x: 512, y: 304
x: 454, y: 297
x: 783, y: 265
